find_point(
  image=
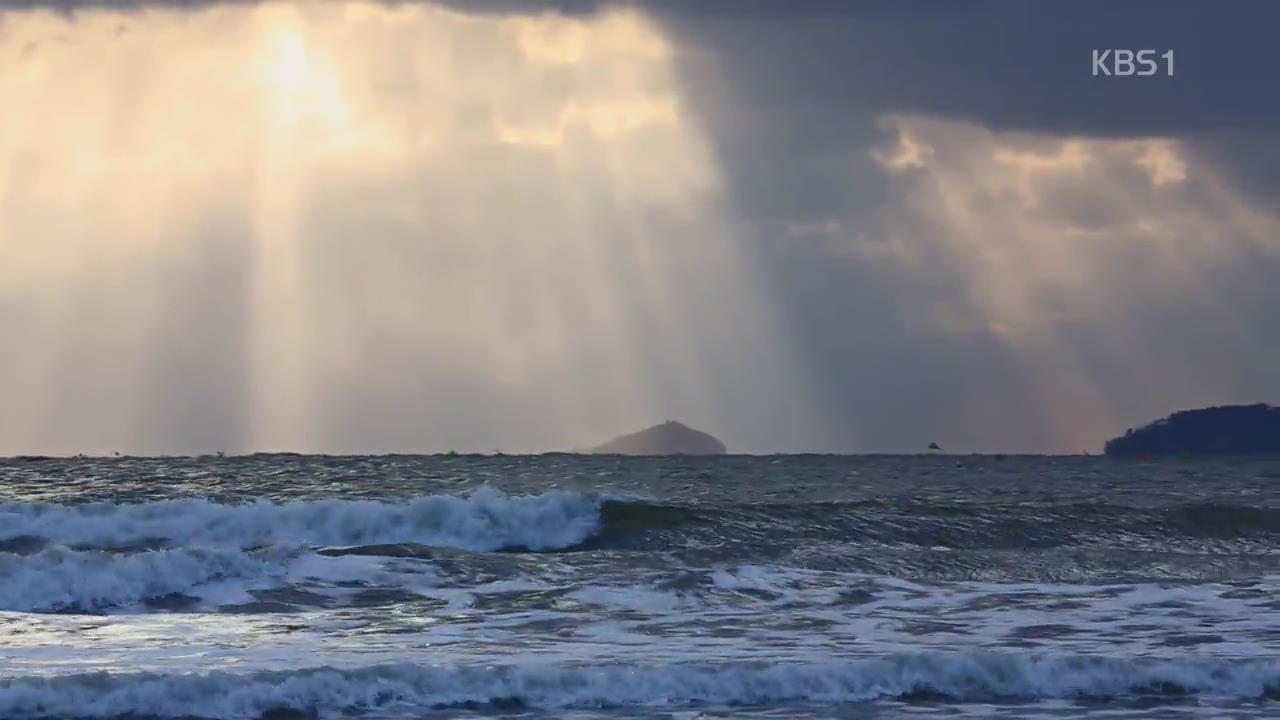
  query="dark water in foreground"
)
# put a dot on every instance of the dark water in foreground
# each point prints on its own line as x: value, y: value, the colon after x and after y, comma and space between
x: 592, y: 587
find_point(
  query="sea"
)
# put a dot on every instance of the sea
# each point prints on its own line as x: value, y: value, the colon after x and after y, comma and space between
x: 286, y: 587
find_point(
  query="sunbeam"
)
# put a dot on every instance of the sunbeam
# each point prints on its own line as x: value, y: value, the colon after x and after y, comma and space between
x: 1072, y: 253
x: 386, y: 227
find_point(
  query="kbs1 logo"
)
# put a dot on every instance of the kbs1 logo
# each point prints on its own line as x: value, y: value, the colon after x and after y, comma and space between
x: 1125, y: 63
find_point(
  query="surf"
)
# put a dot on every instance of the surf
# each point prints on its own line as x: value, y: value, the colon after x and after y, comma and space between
x: 487, y: 520
x: 940, y: 677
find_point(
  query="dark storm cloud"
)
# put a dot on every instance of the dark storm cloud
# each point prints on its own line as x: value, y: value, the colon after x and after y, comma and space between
x: 791, y: 94
x: 1010, y: 64
x: 792, y: 101
x: 812, y: 75
x: 782, y: 89
x: 822, y: 65
x: 1005, y: 63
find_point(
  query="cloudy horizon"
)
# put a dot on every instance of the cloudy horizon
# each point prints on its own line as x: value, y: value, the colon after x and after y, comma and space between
x: 476, y: 226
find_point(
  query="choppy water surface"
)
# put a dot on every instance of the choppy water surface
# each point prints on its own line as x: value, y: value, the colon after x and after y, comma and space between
x: 595, y: 587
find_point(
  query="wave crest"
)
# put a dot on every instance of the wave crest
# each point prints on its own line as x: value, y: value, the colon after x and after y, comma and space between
x: 953, y: 677
x: 61, y: 580
x: 487, y: 520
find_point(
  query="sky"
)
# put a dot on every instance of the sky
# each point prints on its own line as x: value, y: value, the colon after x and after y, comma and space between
x: 493, y: 225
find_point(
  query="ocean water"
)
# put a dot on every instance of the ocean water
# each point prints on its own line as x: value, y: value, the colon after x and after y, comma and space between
x: 560, y: 586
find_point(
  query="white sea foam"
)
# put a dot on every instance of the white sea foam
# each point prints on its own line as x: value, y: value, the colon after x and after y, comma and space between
x: 329, y: 692
x: 58, y: 579
x: 62, y: 580
x: 486, y: 520
x: 636, y: 599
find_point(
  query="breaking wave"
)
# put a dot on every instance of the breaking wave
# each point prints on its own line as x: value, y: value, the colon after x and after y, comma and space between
x: 938, y: 676
x: 62, y: 580
x: 485, y: 521
x: 489, y: 520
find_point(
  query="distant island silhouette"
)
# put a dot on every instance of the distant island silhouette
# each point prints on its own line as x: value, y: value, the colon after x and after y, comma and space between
x: 669, y: 438
x: 1222, y: 430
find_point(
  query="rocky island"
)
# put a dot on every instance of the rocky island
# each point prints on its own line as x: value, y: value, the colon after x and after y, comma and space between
x: 1224, y: 430
x: 669, y: 438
